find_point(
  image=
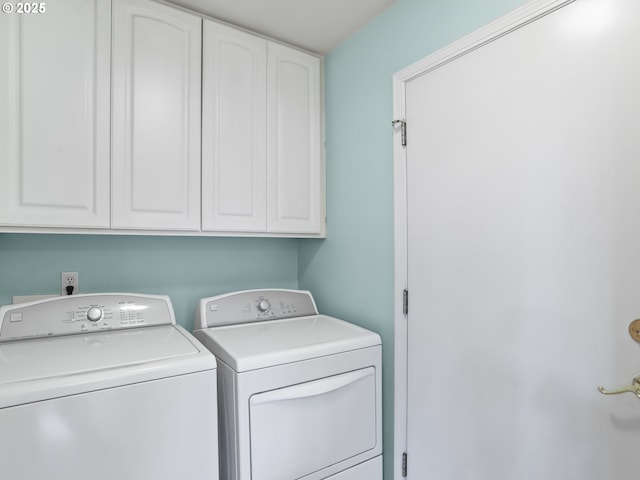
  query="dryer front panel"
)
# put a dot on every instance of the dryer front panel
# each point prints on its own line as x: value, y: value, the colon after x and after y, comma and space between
x: 301, y: 429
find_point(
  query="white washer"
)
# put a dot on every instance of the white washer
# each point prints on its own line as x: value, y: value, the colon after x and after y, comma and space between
x: 102, y: 387
x: 299, y: 393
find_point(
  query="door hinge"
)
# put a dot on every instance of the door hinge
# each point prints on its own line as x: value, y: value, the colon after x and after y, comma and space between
x: 403, y: 130
x: 404, y: 464
x: 405, y: 301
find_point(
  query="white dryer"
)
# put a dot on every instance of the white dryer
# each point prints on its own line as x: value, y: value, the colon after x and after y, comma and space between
x: 104, y: 387
x: 299, y: 393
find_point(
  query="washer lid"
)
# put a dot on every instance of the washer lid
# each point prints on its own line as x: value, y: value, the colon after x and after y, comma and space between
x: 37, y: 369
x: 259, y: 345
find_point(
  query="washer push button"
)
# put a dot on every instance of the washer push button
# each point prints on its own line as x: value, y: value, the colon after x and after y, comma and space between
x: 94, y: 314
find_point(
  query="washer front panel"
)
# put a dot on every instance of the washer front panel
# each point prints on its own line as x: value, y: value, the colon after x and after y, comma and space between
x: 161, y: 430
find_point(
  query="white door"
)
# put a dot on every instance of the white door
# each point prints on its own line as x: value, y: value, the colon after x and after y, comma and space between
x: 523, y: 214
x: 295, y: 193
x: 54, y: 114
x: 234, y: 130
x: 156, y: 116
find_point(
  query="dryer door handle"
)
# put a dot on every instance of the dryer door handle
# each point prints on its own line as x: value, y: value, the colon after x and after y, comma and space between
x: 314, y: 388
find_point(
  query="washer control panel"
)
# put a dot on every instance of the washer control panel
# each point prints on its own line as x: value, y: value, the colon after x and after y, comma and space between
x: 83, y: 314
x: 254, y: 306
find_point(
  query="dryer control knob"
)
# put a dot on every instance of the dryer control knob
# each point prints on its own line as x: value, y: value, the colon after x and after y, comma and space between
x: 264, y: 305
x: 94, y: 314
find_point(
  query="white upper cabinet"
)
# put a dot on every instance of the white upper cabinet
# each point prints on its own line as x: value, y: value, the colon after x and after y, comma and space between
x: 262, y: 160
x: 137, y: 116
x: 234, y: 126
x: 294, y: 145
x: 156, y: 74
x: 54, y: 115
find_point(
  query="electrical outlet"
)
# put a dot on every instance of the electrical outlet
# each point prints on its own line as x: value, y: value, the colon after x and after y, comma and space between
x: 69, y: 283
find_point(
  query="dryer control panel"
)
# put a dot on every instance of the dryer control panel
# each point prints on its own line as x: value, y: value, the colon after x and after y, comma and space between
x: 254, y: 306
x: 83, y: 314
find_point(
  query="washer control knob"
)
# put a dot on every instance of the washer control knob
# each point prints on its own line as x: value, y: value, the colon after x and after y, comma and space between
x: 264, y: 305
x: 94, y: 314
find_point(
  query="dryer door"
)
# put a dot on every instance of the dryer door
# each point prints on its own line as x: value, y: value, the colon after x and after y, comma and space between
x: 301, y: 429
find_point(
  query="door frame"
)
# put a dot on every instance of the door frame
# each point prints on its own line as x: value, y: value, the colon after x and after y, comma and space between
x: 529, y: 12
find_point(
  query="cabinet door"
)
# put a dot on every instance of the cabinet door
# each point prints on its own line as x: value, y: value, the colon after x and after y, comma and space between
x: 294, y: 159
x: 234, y: 189
x: 156, y: 117
x: 54, y: 115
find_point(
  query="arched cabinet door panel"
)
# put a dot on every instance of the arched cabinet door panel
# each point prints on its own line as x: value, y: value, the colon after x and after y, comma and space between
x: 156, y: 116
x: 234, y: 107
x: 294, y: 158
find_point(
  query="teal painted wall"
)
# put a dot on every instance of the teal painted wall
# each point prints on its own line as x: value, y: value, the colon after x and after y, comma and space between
x: 185, y: 268
x: 351, y: 272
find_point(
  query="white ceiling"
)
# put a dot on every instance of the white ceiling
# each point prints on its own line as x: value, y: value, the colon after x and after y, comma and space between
x: 315, y: 25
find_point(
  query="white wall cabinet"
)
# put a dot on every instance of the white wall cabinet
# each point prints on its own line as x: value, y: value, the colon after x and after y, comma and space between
x: 156, y: 75
x: 294, y: 160
x: 262, y: 158
x: 106, y: 126
x: 234, y: 126
x: 54, y: 115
